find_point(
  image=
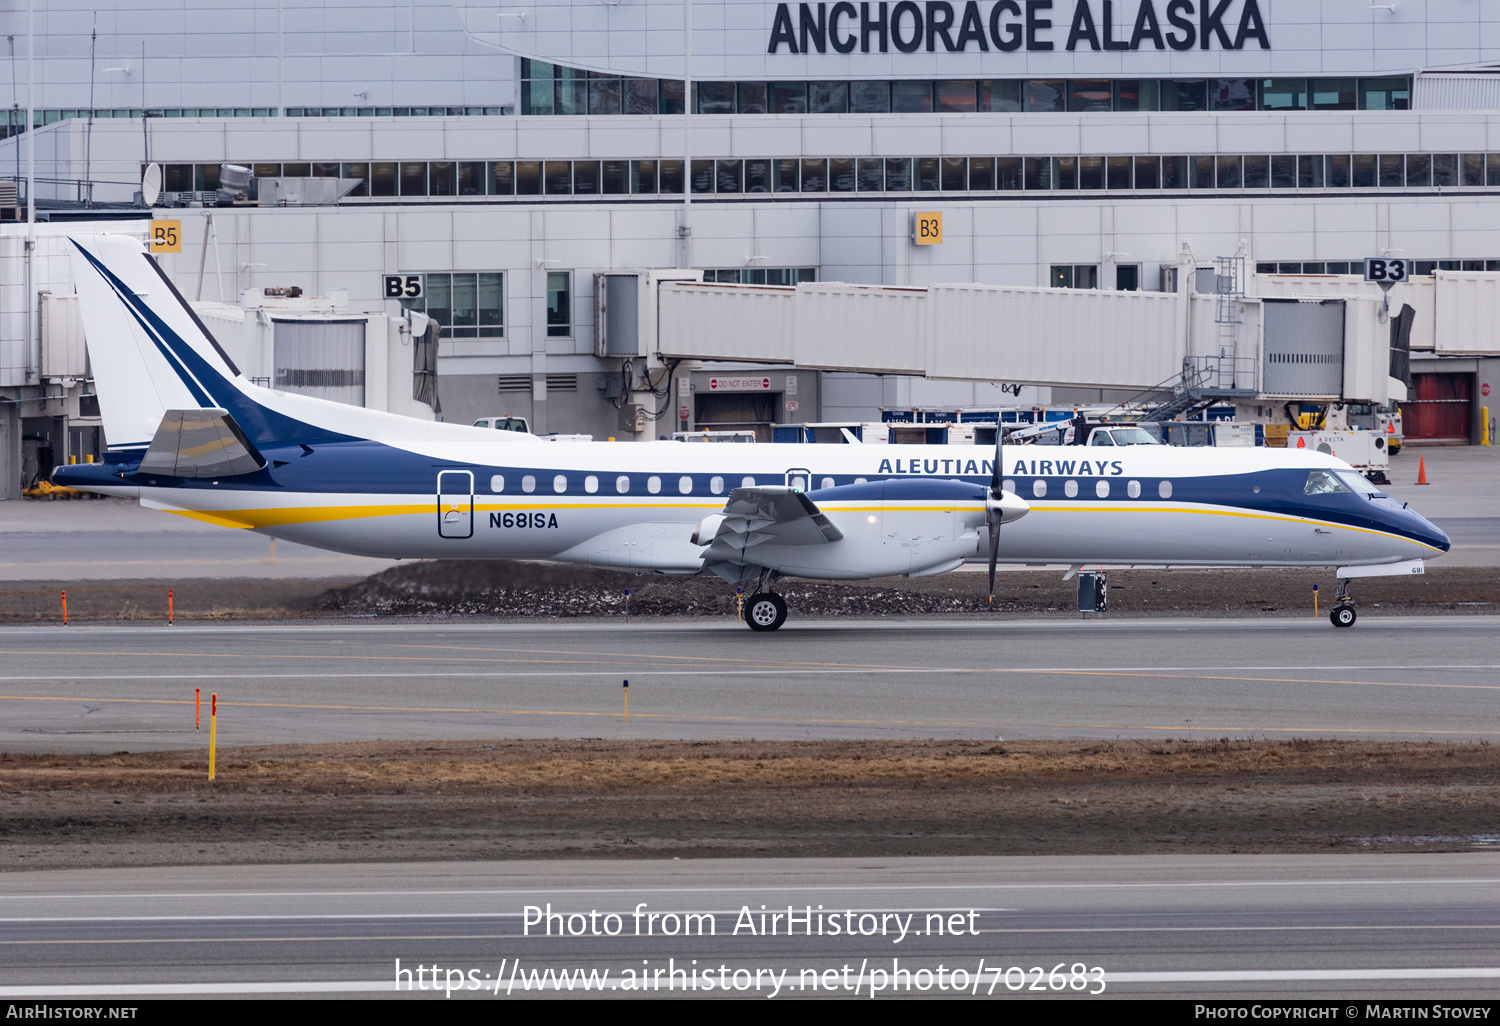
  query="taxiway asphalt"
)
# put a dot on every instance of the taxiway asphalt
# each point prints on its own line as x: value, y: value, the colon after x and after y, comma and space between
x: 107, y: 688
x: 1335, y: 927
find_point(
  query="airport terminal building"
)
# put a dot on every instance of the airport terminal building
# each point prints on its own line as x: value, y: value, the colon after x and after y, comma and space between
x: 504, y: 155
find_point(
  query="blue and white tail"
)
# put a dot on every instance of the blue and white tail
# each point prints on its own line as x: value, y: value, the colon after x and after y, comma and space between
x: 151, y: 354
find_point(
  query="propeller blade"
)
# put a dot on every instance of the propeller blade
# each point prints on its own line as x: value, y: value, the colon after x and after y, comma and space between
x: 995, y: 472
x: 994, y: 551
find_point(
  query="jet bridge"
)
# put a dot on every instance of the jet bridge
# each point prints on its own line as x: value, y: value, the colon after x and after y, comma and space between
x: 1156, y: 341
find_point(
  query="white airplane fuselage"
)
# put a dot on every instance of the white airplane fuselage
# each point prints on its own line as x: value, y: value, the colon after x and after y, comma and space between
x: 634, y: 505
x: 191, y: 435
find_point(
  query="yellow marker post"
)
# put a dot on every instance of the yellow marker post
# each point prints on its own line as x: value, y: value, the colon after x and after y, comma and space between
x: 626, y: 689
x: 1315, y: 601
x: 1484, y: 425
x: 213, y: 731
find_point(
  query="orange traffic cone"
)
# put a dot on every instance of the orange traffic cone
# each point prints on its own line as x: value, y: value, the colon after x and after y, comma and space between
x: 1422, y: 470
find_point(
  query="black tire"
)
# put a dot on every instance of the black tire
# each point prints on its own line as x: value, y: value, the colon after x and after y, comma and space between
x: 765, y: 611
x: 1342, y: 616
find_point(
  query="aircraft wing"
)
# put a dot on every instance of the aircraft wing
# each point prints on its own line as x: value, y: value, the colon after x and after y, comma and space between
x: 773, y: 513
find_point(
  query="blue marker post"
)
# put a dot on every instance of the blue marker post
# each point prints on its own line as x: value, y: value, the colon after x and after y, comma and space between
x: 625, y: 687
x: 1315, y: 601
x: 739, y: 605
x: 627, y: 605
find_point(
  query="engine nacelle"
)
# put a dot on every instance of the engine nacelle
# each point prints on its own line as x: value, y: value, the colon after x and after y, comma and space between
x: 706, y: 529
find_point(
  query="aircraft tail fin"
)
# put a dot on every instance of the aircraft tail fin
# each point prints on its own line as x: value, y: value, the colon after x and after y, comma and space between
x: 151, y: 355
x: 149, y: 351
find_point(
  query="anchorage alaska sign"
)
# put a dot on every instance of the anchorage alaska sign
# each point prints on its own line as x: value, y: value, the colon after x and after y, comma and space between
x: 936, y: 26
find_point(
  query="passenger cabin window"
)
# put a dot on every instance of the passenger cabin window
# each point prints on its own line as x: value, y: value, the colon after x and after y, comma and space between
x: 1323, y: 482
x: 497, y: 483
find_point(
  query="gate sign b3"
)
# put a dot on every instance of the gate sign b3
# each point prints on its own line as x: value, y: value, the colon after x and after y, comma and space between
x: 403, y: 286
x: 927, y: 228
x: 1386, y: 271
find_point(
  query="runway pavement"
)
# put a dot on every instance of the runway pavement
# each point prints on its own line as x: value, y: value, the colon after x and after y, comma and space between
x: 104, y: 689
x: 1406, y: 927
x: 119, y: 540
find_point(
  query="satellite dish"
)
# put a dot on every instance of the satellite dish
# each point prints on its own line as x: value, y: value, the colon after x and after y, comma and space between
x: 151, y: 185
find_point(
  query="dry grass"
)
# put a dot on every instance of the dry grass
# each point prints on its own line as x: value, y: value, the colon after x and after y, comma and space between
x: 585, y: 767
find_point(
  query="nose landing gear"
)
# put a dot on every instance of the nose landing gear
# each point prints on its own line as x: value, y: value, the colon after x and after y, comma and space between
x: 1342, y: 615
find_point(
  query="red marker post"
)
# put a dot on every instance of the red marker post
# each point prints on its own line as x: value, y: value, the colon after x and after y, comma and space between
x: 65, y: 608
x: 170, y: 613
x: 197, y: 708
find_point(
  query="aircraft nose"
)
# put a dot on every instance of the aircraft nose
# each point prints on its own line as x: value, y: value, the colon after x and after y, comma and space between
x: 1423, y: 530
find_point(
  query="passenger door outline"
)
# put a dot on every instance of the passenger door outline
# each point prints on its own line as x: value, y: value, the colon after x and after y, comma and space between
x: 455, y: 503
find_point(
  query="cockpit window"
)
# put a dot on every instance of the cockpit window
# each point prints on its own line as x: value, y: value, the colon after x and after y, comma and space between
x: 1358, y: 483
x: 1324, y: 482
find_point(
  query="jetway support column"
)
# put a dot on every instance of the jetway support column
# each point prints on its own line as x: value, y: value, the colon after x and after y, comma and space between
x: 10, y: 450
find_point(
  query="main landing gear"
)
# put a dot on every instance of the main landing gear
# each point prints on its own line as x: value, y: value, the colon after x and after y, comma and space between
x: 765, y: 610
x: 1342, y: 615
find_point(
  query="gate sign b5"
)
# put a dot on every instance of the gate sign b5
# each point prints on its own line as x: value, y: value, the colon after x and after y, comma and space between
x: 403, y: 286
x: 1386, y: 271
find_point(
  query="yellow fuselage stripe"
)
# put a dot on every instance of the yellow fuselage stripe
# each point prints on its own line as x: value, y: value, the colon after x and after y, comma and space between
x: 287, y: 515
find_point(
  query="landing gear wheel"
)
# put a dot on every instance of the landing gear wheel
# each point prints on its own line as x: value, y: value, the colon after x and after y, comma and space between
x: 765, y: 611
x: 1342, y: 616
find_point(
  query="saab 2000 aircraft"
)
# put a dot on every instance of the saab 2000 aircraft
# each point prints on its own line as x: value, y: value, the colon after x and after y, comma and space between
x: 190, y: 435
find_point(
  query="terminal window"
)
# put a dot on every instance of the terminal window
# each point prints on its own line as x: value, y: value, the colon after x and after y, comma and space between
x: 466, y: 304
x: 559, y: 304
x: 1074, y: 276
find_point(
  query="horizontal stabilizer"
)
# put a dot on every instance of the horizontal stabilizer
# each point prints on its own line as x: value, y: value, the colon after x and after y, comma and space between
x: 200, y: 443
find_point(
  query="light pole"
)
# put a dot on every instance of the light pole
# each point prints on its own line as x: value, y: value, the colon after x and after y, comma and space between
x: 685, y: 230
